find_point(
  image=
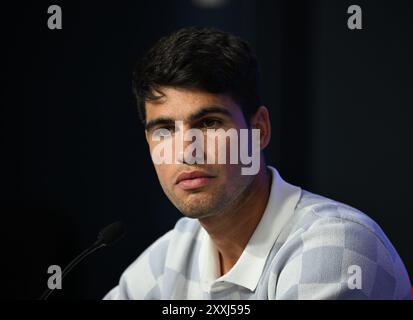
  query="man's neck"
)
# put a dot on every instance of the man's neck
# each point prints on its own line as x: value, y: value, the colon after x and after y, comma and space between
x: 231, y: 230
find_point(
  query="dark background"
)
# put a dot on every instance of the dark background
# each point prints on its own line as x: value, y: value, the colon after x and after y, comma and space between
x: 73, y: 154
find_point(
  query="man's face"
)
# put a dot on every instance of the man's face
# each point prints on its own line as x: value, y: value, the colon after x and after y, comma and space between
x: 197, y: 190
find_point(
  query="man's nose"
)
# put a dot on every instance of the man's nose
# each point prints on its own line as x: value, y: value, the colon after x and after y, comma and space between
x: 190, y: 149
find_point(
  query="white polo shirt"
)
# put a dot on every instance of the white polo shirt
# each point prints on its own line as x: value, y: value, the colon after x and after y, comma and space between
x: 305, y: 247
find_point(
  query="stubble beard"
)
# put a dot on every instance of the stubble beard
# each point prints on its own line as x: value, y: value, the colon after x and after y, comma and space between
x: 203, y: 204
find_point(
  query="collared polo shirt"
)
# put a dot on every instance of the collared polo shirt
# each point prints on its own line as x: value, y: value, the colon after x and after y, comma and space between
x: 305, y: 246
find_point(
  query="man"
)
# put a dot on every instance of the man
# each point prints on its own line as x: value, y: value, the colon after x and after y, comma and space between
x: 245, y: 236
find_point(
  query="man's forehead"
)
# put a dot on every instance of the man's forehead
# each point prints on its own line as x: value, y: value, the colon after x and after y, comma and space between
x: 181, y: 104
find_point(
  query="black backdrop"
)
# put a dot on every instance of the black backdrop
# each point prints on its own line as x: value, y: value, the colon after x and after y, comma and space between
x: 73, y: 154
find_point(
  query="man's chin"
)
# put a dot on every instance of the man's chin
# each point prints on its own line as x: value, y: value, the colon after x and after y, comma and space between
x: 199, y: 208
x: 197, y: 215
x: 197, y: 205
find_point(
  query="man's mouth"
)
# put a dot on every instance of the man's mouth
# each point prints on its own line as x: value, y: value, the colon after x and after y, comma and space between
x: 193, y: 180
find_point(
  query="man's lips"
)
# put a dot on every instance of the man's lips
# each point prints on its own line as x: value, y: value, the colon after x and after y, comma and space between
x: 193, y: 179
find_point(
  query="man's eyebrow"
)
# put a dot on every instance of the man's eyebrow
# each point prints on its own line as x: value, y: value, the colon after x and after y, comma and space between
x: 193, y: 117
x: 158, y: 121
x: 207, y: 110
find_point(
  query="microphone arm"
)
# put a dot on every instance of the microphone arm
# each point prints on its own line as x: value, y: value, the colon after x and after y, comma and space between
x: 106, y: 237
x: 96, y: 246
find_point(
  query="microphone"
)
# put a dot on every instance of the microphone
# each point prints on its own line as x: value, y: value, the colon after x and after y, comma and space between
x: 106, y: 237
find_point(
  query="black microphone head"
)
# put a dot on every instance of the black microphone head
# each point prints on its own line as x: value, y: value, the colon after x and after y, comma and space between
x: 111, y: 233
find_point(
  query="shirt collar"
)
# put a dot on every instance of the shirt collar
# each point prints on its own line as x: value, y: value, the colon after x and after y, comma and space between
x: 249, y: 267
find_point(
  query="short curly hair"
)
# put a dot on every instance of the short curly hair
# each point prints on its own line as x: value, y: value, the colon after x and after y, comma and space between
x: 206, y: 59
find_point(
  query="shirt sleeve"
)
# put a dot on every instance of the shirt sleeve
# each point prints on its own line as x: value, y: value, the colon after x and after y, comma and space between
x: 341, y: 259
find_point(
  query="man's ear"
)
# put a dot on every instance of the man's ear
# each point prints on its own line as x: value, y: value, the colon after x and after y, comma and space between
x: 261, y: 120
x: 147, y: 136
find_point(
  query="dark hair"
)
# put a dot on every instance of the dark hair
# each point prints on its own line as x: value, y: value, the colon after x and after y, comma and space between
x: 206, y: 59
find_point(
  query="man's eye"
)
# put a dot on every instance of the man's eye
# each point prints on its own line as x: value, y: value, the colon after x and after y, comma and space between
x: 163, y: 131
x: 170, y: 128
x: 211, y: 123
x: 166, y: 127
